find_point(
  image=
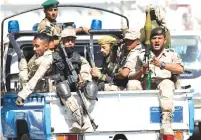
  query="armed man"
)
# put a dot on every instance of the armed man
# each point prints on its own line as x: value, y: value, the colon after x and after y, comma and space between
x: 162, y: 63
x: 106, y: 77
x: 133, y: 47
x: 65, y: 86
x: 157, y: 14
x: 39, y: 65
x: 49, y: 23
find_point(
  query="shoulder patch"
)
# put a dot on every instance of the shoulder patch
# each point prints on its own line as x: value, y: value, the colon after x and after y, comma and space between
x: 170, y: 50
x: 43, y: 24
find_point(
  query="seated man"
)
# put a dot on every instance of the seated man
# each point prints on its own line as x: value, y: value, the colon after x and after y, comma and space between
x: 133, y: 47
x: 108, y: 49
x: 39, y: 65
x: 163, y: 63
x: 77, y: 116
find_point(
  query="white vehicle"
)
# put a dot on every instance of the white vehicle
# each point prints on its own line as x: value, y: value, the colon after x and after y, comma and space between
x: 125, y: 115
x: 188, y: 45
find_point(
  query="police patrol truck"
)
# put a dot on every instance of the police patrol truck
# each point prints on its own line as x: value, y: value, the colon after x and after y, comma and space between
x: 120, y: 115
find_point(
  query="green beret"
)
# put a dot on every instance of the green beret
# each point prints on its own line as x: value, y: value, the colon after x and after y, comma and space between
x: 157, y: 31
x: 50, y: 4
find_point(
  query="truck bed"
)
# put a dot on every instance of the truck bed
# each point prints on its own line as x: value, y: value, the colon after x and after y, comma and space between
x: 124, y: 111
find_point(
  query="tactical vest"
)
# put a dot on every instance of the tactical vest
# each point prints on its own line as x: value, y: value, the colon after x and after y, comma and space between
x: 60, y: 65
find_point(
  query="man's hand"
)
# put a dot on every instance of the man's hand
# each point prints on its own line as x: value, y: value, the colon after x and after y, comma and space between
x: 81, y: 82
x: 19, y: 101
x: 95, y: 72
x: 85, y: 29
x: 144, y: 69
x: 156, y: 62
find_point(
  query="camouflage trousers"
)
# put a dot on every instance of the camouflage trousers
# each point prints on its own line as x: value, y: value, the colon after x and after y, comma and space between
x: 74, y: 111
x: 166, y: 95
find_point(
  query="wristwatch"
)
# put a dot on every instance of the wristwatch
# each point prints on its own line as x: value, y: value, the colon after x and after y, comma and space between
x: 163, y: 64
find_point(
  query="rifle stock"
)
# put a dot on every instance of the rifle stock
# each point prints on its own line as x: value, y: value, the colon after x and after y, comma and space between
x: 16, y: 46
x: 91, y: 60
x: 73, y: 80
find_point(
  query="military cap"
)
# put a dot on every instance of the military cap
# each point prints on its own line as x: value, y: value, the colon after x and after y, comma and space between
x: 107, y: 40
x: 132, y: 34
x: 68, y: 32
x: 50, y: 4
x: 157, y: 31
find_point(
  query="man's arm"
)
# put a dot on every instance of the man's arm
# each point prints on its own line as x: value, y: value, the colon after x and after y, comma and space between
x: 85, y: 70
x: 31, y: 84
x: 175, y: 67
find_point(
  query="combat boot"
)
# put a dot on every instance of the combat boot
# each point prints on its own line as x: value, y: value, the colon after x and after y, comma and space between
x: 166, y: 128
x: 76, y: 128
x: 86, y: 124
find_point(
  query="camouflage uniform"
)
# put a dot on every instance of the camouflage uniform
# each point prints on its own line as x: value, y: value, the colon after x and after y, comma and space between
x: 36, y: 68
x: 161, y: 79
x: 130, y: 63
x: 159, y: 22
x: 166, y: 86
x: 131, y: 59
x: 76, y: 119
x: 50, y: 28
x: 110, y: 66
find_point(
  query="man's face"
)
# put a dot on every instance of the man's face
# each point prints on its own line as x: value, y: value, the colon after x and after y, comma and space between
x: 51, y: 13
x: 69, y: 41
x: 51, y: 45
x: 131, y: 44
x: 157, y: 42
x: 40, y: 46
x: 105, y: 49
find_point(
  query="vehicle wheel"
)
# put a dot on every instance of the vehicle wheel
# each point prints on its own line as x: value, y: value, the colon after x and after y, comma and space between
x: 196, y: 134
x: 25, y: 137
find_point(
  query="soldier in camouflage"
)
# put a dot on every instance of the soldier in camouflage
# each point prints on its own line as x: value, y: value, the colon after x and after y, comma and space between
x: 157, y: 14
x: 49, y: 24
x: 39, y: 65
x: 106, y: 77
x: 163, y: 63
x: 133, y: 47
x: 77, y: 120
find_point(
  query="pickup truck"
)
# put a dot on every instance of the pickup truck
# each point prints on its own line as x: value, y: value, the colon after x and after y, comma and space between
x: 122, y: 115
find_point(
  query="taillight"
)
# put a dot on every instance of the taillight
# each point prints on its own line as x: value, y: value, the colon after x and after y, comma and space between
x: 168, y: 137
x: 67, y: 137
x: 179, y: 135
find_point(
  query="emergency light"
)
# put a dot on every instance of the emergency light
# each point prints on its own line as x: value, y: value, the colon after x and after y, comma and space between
x: 96, y: 24
x: 13, y: 26
x: 35, y: 27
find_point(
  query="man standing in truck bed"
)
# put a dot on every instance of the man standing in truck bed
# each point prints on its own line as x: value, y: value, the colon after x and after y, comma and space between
x: 49, y: 23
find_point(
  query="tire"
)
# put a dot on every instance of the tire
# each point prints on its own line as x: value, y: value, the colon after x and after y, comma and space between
x: 25, y: 137
x: 196, y: 134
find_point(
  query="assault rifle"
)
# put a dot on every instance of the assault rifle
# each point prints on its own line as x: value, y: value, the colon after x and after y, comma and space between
x: 73, y: 80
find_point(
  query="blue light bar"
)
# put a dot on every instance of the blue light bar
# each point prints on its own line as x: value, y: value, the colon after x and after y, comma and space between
x: 35, y: 27
x: 96, y: 24
x: 13, y: 26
